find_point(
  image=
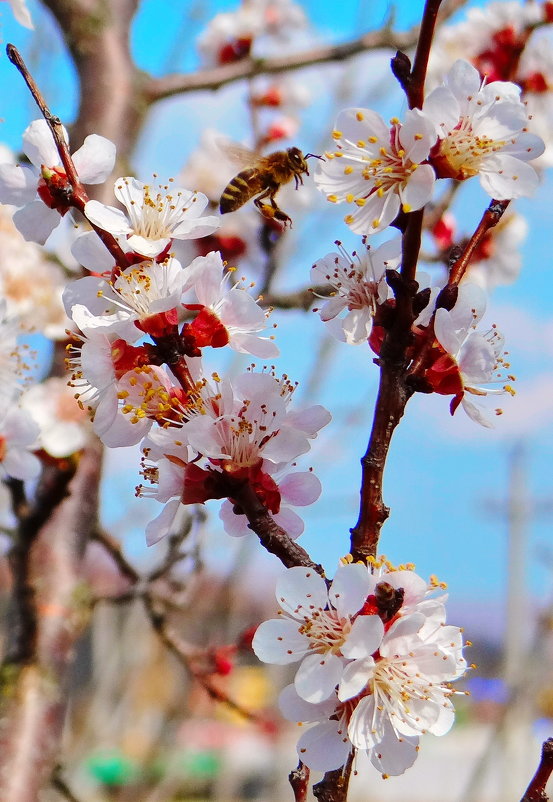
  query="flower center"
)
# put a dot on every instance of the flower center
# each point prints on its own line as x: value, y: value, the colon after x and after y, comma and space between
x: 461, y: 153
x: 326, y: 631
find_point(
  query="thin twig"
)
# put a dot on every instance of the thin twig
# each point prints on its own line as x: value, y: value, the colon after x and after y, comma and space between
x: 79, y: 196
x: 59, y: 784
x: 159, y: 88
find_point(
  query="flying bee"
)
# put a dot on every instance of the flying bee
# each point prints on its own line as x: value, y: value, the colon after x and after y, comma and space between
x: 263, y: 178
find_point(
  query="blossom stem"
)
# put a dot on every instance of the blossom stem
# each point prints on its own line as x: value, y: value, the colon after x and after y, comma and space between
x: 536, y: 790
x: 272, y: 536
x: 79, y: 196
x: 490, y: 218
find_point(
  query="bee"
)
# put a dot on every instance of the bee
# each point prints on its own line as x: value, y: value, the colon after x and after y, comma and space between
x: 263, y: 178
x: 388, y: 600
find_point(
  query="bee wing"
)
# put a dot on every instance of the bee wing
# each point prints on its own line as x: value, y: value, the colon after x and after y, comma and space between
x: 240, y: 155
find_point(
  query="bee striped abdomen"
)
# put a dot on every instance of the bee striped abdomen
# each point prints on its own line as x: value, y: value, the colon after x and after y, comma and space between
x: 242, y: 187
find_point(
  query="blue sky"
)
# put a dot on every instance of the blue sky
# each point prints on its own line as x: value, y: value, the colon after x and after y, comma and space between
x: 441, y: 470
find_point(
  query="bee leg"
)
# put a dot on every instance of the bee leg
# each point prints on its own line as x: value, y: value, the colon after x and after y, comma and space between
x: 270, y: 210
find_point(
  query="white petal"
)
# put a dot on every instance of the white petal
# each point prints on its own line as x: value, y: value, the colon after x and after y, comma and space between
x: 445, y: 332
x: 476, y: 413
x: 355, y: 677
x: 349, y: 588
x: 147, y: 247
x: 290, y: 521
x: 39, y: 145
x: 90, y: 251
x: 364, y: 724
x: 294, y: 708
x: 262, y: 347
x: 300, y: 488
x: 504, y: 177
x: 364, y: 638
x: 394, y: 755
x: 418, y: 190
x: 18, y: 183
x: 21, y: 464
x: 318, y: 676
x: 35, y: 221
x: 95, y: 159
x: 107, y: 217
x: 279, y: 641
x: 162, y: 524
x: 234, y: 525
x: 324, y: 747
x: 299, y: 591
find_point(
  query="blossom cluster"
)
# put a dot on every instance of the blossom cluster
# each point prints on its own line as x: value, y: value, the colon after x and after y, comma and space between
x: 467, y: 127
x: 376, y: 660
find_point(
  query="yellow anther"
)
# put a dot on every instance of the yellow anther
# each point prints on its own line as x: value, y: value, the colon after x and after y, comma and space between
x: 348, y: 170
x: 360, y: 116
x: 337, y: 135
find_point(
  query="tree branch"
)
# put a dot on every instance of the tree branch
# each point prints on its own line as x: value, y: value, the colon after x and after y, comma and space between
x: 33, y: 679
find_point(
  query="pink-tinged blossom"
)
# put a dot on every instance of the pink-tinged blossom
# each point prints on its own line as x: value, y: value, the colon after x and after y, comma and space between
x: 155, y: 215
x: 64, y: 427
x: 98, y: 368
x: 318, y: 627
x: 358, y: 288
x: 473, y: 359
x: 224, y: 435
x: 24, y: 185
x: 18, y: 437
x: 377, y: 167
x: 139, y: 292
x: 482, y: 131
x: 255, y: 424
x: 230, y: 36
x: 385, y: 699
x: 226, y: 313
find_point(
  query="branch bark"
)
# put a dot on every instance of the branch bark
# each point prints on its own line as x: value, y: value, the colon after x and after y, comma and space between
x: 34, y: 679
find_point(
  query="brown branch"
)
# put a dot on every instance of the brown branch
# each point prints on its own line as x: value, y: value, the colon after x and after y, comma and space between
x: 214, y: 78
x: 394, y: 392
x: 272, y: 536
x: 33, y: 694
x: 415, y: 89
x: 490, y: 218
x: 536, y: 790
x: 79, y: 196
x: 186, y: 654
x: 334, y: 785
x: 59, y: 784
x: 299, y: 780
